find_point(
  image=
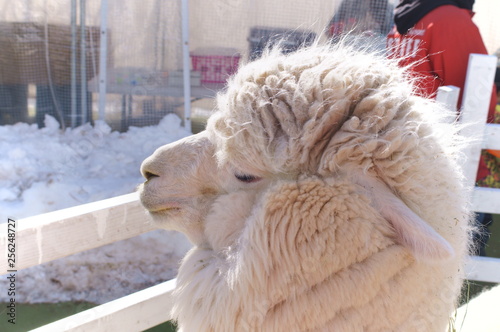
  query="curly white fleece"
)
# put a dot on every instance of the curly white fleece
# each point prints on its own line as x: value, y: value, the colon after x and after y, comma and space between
x: 363, y: 223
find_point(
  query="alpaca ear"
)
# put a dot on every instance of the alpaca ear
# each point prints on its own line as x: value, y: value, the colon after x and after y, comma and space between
x: 411, y: 231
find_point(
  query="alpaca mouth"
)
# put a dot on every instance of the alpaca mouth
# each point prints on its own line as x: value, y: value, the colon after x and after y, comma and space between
x: 163, y: 211
x: 164, y: 208
x: 159, y: 207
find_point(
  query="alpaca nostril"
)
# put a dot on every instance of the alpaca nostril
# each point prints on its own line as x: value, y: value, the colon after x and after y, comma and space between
x: 150, y: 169
x: 148, y: 175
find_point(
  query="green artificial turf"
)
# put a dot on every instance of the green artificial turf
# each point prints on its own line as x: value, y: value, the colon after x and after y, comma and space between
x: 493, y: 245
x: 31, y: 316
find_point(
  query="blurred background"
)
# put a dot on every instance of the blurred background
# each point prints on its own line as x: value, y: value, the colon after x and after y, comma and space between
x: 123, y: 62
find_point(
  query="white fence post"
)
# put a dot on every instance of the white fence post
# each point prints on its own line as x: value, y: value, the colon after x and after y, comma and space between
x: 476, y: 102
x: 448, y: 96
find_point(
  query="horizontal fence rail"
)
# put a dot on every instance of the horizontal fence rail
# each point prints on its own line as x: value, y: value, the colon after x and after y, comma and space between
x: 57, y: 234
x: 485, y: 269
x: 492, y: 136
x: 486, y: 200
x: 134, y: 312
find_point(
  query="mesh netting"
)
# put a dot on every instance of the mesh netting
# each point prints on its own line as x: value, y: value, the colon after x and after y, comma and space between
x: 50, y: 61
x: 372, y: 17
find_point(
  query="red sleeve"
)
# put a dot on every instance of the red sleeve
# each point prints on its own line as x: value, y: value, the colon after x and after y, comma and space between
x: 452, y: 37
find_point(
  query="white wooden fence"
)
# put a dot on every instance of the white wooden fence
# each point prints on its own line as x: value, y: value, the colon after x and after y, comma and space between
x: 62, y: 233
x: 54, y: 235
x: 476, y: 102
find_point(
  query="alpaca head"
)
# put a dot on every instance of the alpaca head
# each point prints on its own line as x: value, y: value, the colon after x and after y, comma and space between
x: 326, y: 111
x: 185, y: 184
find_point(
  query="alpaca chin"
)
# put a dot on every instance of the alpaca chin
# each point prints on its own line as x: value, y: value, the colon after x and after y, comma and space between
x: 226, y: 220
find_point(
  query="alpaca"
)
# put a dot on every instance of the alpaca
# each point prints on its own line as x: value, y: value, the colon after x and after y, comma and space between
x: 324, y: 195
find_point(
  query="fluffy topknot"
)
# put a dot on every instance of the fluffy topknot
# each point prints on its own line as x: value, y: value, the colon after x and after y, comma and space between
x: 285, y: 109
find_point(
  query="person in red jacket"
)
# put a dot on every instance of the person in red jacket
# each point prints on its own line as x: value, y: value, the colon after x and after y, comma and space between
x: 434, y: 38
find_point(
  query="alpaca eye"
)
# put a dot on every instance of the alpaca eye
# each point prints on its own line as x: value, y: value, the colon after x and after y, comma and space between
x: 247, y: 178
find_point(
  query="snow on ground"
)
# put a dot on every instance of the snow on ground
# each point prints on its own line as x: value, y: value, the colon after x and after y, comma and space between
x: 43, y: 170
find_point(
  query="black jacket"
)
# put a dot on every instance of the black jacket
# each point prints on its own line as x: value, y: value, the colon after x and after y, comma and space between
x: 409, y: 12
